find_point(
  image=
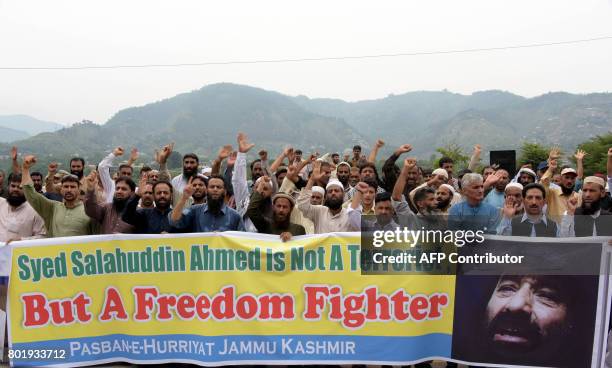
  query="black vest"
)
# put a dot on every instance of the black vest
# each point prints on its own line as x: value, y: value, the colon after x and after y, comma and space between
x: 583, y: 224
x: 542, y: 230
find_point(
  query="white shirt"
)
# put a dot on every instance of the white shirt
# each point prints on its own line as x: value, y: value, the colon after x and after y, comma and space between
x: 324, y: 221
x: 19, y: 223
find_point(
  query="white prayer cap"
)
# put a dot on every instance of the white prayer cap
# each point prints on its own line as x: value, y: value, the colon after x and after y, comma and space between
x: 519, y: 186
x: 449, y: 187
x: 440, y: 171
x: 318, y: 189
x: 333, y: 182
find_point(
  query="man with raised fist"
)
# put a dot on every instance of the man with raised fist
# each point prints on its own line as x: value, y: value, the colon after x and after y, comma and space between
x: 66, y: 218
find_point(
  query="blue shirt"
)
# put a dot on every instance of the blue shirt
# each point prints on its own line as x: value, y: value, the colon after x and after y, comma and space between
x: 199, y: 219
x: 495, y: 199
x: 483, y: 217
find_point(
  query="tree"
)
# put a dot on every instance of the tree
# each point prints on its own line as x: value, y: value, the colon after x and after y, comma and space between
x: 454, y: 151
x: 533, y: 153
x: 597, y: 153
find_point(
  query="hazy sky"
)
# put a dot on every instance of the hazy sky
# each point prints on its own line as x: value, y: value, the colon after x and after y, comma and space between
x: 83, y: 33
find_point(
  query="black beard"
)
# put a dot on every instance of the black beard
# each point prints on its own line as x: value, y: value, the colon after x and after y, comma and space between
x: 566, y: 191
x: 281, y: 224
x: 198, y: 197
x: 333, y: 204
x: 214, y: 205
x: 119, y: 204
x: 189, y: 172
x: 444, y: 204
x: 78, y: 174
x: 254, y: 178
x: 16, y: 201
x: 161, y: 206
x: 343, y: 180
x: 590, y: 209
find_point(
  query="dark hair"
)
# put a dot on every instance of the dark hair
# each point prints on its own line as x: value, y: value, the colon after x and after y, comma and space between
x: 78, y: 159
x: 71, y: 178
x: 36, y: 173
x: 15, y: 177
x: 426, y: 171
x: 128, y: 181
x: 298, y: 151
x: 463, y: 172
x: 422, y: 193
x: 486, y: 167
x: 356, y: 147
x: 145, y: 169
x: 382, y: 197
x: 125, y: 165
x: 445, y: 160
x: 367, y: 164
x: 200, y: 177
x: 254, y: 162
x: 191, y: 155
x: 216, y: 177
x: 371, y: 183
x: 280, y: 171
x: 534, y: 186
x: 163, y: 182
x: 335, y: 154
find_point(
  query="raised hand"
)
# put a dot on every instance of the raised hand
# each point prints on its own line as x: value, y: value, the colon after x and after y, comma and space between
x: 493, y: 179
x: 404, y: 148
x: 610, y: 152
x: 292, y: 173
x: 552, y: 164
x: 118, y: 151
x: 379, y: 143
x: 166, y: 151
x: 477, y: 150
x: 91, y: 181
x: 362, y: 187
x: 224, y: 152
x: 231, y: 160
x: 14, y: 153
x: 188, y: 190
x: 410, y: 162
x: 554, y: 153
x: 579, y: 155
x: 29, y: 161
x: 243, y: 143
x: 52, y: 167
x: 510, y: 208
x: 142, y: 183
x: 261, y: 184
x: 316, y: 172
x: 288, y: 151
x: 134, y: 154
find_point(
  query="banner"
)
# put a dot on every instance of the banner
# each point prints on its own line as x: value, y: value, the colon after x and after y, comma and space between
x: 244, y: 298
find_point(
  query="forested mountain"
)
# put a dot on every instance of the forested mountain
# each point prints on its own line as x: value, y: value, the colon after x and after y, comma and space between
x: 203, y: 120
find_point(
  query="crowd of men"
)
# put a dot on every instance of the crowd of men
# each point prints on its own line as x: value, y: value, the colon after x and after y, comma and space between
x: 293, y: 195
